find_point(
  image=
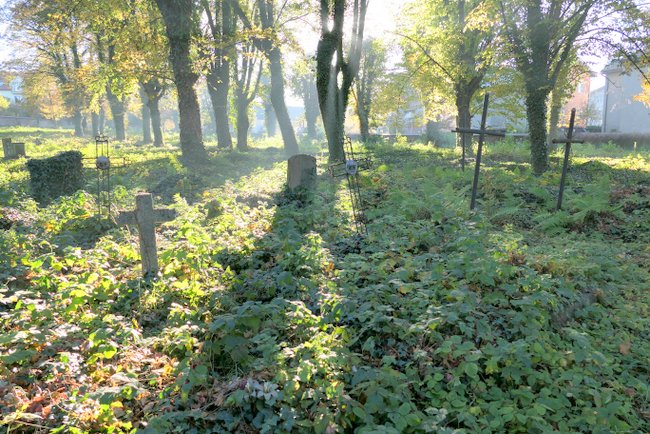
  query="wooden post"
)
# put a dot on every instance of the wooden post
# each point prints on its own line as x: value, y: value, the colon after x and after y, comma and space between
x: 567, y: 150
x: 145, y: 217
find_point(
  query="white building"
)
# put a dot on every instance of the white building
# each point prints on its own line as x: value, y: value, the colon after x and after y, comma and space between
x: 621, y: 112
x: 11, y: 89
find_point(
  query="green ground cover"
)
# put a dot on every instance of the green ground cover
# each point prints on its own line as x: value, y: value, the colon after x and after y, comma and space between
x: 269, y: 317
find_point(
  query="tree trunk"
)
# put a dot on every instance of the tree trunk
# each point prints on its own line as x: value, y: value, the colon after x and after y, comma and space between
x: 218, y: 90
x: 279, y: 104
x: 180, y: 27
x: 269, y: 119
x: 536, y: 113
x: 146, y: 116
x: 156, y: 125
x: 310, y: 100
x: 554, y: 119
x: 464, y: 120
x: 94, y: 121
x: 117, y: 110
x: 364, y: 124
x: 101, y: 120
x: 78, y: 124
x: 243, y: 123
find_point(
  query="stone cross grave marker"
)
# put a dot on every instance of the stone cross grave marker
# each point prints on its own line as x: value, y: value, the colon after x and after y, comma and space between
x: 146, y: 217
x: 567, y: 150
x: 482, y: 132
x: 12, y: 150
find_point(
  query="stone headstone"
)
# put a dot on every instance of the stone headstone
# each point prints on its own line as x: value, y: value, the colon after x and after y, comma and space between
x: 301, y: 171
x: 12, y: 150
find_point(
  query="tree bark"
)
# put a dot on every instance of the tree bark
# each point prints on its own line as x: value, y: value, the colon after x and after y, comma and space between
x: 536, y: 114
x: 94, y: 121
x: 243, y: 123
x: 78, y: 124
x: 464, y: 118
x: 180, y: 27
x: 218, y: 86
x: 156, y: 125
x: 554, y: 119
x: 146, y: 116
x: 279, y: 104
x: 331, y: 64
x: 118, y: 111
x: 364, y: 123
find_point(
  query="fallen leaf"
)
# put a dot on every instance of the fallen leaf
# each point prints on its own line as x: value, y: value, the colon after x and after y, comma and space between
x: 624, y: 348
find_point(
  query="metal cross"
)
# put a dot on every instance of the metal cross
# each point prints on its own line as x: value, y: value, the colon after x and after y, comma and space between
x: 482, y: 132
x: 146, y: 217
x: 350, y: 168
x: 103, y: 168
x: 567, y: 150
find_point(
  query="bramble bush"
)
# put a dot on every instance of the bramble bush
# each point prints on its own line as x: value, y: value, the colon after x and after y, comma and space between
x: 268, y: 316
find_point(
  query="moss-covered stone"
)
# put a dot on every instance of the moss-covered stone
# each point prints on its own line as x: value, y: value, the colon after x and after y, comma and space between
x: 56, y: 176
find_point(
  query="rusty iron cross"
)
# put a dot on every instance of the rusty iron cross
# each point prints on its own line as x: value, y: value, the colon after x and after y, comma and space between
x: 482, y: 132
x: 567, y: 150
x: 146, y: 217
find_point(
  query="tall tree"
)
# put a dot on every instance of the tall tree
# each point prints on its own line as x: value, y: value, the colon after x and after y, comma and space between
x: 221, y: 28
x: 247, y: 70
x: 268, y: 41
x: 335, y: 73
x: 450, y: 46
x: 303, y: 84
x: 148, y: 60
x: 55, y: 33
x: 373, y: 59
x: 542, y: 34
x: 181, y: 26
x: 146, y: 115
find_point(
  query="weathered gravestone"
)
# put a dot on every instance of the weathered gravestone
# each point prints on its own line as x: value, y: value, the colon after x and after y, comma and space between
x: 145, y: 218
x: 12, y: 150
x: 301, y: 171
x: 56, y: 176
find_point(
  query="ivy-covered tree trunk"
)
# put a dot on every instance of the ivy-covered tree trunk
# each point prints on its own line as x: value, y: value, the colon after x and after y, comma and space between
x: 279, y: 104
x: 146, y: 116
x: 553, y: 119
x: 334, y: 73
x: 536, y: 114
x: 328, y: 95
x: 464, y: 118
x: 179, y: 18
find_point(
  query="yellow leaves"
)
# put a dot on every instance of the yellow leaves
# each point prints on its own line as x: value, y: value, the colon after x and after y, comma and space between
x: 644, y: 96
